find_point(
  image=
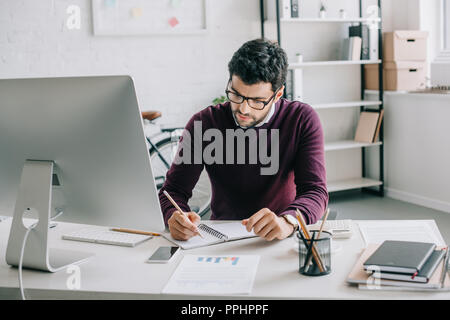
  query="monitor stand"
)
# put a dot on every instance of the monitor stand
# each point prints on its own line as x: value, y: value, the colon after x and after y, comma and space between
x: 35, y: 195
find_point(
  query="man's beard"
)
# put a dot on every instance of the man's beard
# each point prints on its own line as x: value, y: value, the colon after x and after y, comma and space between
x: 251, y: 124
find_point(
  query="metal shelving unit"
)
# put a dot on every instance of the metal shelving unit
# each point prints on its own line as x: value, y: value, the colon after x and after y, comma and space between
x: 331, y: 63
x: 364, y: 183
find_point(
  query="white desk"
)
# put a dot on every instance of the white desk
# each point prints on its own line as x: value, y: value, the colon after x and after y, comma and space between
x: 121, y: 273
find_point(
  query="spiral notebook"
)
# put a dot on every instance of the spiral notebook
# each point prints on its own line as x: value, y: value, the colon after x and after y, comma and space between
x: 213, y: 234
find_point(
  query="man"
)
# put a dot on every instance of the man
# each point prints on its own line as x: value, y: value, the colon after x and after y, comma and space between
x: 265, y: 201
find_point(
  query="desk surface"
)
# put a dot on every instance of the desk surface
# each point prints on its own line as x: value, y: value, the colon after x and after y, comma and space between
x: 121, y: 273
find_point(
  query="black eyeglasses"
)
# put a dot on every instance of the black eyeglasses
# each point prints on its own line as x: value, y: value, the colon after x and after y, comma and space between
x: 252, y: 102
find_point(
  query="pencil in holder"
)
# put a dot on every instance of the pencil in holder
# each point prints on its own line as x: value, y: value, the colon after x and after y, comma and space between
x: 314, y: 254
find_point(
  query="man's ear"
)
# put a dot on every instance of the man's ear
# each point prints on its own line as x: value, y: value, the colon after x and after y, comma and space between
x: 279, y: 94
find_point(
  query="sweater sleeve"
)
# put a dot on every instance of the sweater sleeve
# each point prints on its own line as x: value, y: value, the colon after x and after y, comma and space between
x: 309, y: 169
x: 183, y: 174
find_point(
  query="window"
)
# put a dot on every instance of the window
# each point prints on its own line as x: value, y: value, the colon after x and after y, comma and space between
x: 444, y: 32
x: 440, y: 65
x: 446, y: 25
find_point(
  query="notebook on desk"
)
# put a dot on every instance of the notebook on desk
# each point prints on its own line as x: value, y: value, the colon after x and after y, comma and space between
x: 400, y: 256
x: 213, y: 234
x: 359, y: 276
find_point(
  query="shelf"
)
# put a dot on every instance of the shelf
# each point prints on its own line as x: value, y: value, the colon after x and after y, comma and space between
x: 338, y: 66
x: 349, y: 184
x: 339, y: 20
x: 331, y: 63
x: 349, y: 144
x: 404, y: 92
x: 346, y: 104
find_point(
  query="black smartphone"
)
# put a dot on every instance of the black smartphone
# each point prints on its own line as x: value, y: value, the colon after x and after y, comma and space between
x: 163, y: 254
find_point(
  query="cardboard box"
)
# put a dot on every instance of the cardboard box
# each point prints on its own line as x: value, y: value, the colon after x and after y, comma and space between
x: 371, y: 77
x: 408, y: 45
x: 397, y: 76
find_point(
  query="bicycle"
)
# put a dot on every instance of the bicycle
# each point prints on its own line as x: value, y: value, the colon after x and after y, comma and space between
x: 163, y: 145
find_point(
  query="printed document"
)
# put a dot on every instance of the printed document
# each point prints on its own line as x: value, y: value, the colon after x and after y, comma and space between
x: 401, y: 230
x: 216, y: 275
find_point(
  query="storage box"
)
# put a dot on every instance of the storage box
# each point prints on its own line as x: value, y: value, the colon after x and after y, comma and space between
x: 408, y: 45
x: 399, y: 75
x: 371, y: 77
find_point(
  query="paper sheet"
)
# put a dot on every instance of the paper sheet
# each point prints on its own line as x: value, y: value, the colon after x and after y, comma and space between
x: 401, y: 230
x: 221, y: 275
x: 233, y: 230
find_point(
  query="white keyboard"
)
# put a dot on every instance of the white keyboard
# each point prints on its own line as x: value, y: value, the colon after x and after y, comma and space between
x: 338, y: 228
x: 106, y: 237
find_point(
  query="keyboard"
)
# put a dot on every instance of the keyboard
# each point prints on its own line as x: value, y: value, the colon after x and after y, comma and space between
x: 339, y: 229
x: 106, y: 237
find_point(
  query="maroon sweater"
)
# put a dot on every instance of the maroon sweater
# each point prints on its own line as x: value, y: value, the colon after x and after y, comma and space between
x: 239, y: 190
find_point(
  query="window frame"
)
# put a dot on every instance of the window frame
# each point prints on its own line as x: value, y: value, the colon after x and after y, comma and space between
x: 444, y: 33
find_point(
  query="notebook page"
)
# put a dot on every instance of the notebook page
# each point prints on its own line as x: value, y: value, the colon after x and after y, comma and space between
x: 195, y: 241
x: 233, y: 230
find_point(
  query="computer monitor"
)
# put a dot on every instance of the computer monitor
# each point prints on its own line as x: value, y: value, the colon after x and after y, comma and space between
x: 88, y: 133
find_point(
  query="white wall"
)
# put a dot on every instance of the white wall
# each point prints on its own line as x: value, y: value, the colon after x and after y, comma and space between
x: 417, y: 153
x: 178, y: 75
x: 420, y: 15
x: 416, y: 135
x: 416, y: 158
x: 440, y: 65
x: 322, y: 41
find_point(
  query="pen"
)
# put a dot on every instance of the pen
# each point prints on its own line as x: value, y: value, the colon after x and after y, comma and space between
x: 179, y: 209
x: 145, y: 233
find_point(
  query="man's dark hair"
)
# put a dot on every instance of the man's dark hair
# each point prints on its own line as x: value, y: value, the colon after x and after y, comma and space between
x: 260, y: 60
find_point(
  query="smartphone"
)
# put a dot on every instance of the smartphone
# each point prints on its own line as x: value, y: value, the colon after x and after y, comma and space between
x: 163, y: 254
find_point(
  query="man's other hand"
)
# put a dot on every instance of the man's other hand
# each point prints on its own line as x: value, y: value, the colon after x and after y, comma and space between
x: 266, y: 224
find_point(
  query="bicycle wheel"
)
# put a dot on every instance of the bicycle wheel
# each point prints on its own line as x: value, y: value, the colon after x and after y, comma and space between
x: 201, y: 195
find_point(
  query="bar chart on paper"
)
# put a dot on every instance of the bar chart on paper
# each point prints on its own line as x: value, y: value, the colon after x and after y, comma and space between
x: 224, y: 260
x: 197, y: 274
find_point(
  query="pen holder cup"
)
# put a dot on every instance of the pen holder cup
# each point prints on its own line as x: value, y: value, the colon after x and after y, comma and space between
x: 314, y: 254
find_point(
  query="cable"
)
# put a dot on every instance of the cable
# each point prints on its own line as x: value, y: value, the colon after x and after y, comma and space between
x: 22, y: 251
x: 59, y: 211
x: 21, y: 258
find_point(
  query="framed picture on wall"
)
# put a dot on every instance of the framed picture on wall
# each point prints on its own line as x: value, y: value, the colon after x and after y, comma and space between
x: 143, y: 17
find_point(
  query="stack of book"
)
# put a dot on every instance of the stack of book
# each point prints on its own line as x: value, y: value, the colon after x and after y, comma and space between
x: 361, y: 44
x: 402, y: 264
